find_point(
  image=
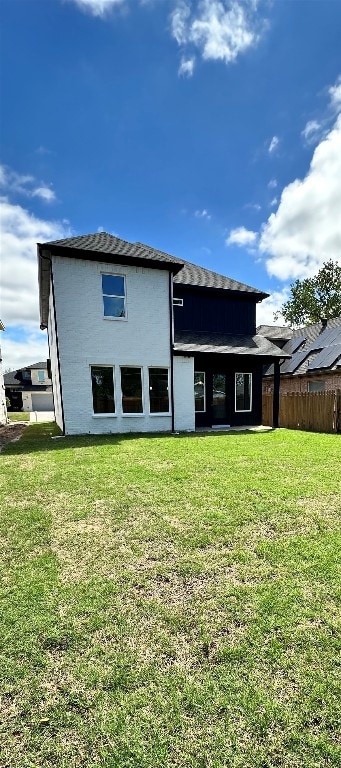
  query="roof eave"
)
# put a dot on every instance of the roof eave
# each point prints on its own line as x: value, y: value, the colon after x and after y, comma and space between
x: 111, y: 258
x: 258, y: 296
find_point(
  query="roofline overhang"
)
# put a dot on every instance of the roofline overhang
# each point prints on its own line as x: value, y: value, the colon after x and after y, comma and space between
x: 243, y: 295
x: 47, y: 251
x: 259, y: 356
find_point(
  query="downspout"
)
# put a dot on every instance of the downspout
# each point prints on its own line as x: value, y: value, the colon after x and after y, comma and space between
x: 171, y: 337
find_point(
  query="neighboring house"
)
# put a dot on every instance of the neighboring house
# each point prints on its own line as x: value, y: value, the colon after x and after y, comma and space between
x: 315, y: 365
x: 142, y: 341
x: 30, y: 388
x: 3, y: 409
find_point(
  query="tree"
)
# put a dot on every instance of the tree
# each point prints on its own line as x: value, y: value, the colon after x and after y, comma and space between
x: 314, y: 298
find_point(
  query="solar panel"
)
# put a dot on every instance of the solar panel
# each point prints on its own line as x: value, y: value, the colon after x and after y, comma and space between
x: 289, y: 366
x: 293, y: 345
x: 326, y: 358
x: 328, y: 337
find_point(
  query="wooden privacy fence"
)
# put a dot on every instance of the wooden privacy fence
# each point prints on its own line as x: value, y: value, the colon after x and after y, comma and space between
x: 312, y: 411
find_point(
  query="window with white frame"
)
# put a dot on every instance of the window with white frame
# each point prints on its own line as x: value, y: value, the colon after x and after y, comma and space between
x: 131, y: 386
x: 158, y: 390
x: 199, y: 391
x: 243, y: 391
x: 114, y: 296
x: 41, y: 375
x: 178, y: 302
x: 103, y: 395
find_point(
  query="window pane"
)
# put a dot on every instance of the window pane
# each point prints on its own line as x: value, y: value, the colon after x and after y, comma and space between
x: 113, y: 307
x: 41, y: 376
x: 316, y: 386
x: 131, y: 384
x: 219, y: 396
x: 158, y: 390
x: 113, y: 285
x: 243, y: 391
x: 199, y: 390
x: 102, y: 389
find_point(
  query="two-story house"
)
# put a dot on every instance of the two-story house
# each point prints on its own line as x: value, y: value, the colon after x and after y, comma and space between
x: 30, y: 388
x: 3, y: 407
x: 142, y: 341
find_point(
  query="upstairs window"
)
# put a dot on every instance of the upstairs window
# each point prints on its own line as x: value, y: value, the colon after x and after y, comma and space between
x: 102, y: 380
x: 131, y: 385
x: 178, y: 302
x: 114, y: 296
x: 41, y: 376
x: 158, y: 390
x: 243, y: 399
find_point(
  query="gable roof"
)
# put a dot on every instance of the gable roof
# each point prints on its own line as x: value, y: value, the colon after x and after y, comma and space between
x: 116, y: 250
x: 275, y: 332
x: 13, y: 378
x: 318, y: 347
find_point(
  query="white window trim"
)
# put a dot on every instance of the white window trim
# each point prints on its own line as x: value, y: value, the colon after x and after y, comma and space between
x: 113, y: 296
x: 242, y: 410
x: 133, y: 415
x: 177, y: 302
x: 160, y: 413
x: 103, y: 415
x: 204, y: 411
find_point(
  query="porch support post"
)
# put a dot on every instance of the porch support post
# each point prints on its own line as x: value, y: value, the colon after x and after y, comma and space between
x: 275, y: 402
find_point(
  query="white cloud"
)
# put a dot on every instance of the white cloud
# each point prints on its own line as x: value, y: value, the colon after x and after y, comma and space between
x: 241, y: 236
x: 186, y: 67
x: 19, y: 272
x: 25, y: 185
x: 274, y: 202
x: 312, y: 131
x: 272, y: 184
x: 273, y: 145
x: 204, y: 214
x: 98, y: 7
x: 306, y: 228
x: 265, y: 309
x: 220, y: 30
x: 32, y: 348
x: 179, y: 21
x: 335, y: 95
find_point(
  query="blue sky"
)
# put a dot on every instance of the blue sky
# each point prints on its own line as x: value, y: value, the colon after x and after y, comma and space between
x: 209, y: 129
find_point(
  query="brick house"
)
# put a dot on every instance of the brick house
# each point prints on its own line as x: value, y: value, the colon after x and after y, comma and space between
x: 315, y: 363
x: 142, y: 341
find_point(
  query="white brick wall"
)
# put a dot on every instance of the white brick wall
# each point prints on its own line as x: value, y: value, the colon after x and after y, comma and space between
x: 86, y: 338
x: 3, y: 409
x: 184, y: 408
x: 54, y: 364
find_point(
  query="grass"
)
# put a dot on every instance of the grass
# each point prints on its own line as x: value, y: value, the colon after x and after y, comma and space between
x: 170, y: 602
x: 18, y: 416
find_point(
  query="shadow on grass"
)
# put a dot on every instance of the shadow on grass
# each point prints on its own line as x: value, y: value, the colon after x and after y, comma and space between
x: 48, y: 437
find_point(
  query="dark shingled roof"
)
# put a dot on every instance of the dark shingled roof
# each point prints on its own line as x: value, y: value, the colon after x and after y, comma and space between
x: 278, y: 332
x: 13, y: 378
x: 227, y: 344
x: 315, y: 337
x: 189, y: 274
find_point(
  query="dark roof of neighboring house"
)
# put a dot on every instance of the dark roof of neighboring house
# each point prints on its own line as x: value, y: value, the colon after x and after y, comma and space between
x: 313, y: 348
x: 2, y: 327
x: 227, y: 344
x: 14, y: 379
x: 92, y: 245
x: 275, y: 332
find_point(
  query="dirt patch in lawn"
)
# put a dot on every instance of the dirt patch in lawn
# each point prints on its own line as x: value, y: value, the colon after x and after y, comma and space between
x: 10, y: 432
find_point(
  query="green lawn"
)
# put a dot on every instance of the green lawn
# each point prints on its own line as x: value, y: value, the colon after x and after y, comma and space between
x: 170, y: 602
x: 18, y: 416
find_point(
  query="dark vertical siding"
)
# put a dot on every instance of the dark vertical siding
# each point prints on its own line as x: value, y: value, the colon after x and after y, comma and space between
x: 207, y: 311
x: 231, y: 365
